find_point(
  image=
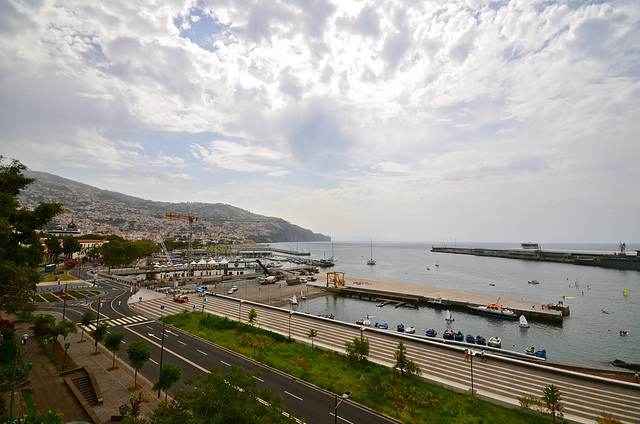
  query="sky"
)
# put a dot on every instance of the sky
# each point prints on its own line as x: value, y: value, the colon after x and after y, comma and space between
x: 431, y: 120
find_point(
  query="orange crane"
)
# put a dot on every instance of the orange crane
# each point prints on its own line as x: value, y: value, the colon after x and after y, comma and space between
x: 189, y: 218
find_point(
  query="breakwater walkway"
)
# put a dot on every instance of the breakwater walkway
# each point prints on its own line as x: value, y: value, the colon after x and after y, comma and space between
x: 413, y: 295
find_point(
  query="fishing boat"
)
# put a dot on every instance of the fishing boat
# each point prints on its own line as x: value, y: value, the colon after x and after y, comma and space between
x: 439, y: 303
x: 400, y: 328
x: 294, y: 301
x: 459, y: 336
x: 495, y: 342
x: 431, y: 332
x: 410, y: 330
x: 481, y: 340
x: 371, y: 261
x: 494, y: 310
x: 448, y: 335
x: 523, y: 322
x: 448, y: 316
x: 470, y: 339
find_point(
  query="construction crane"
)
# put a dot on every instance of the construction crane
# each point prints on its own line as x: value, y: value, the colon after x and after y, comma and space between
x: 189, y: 218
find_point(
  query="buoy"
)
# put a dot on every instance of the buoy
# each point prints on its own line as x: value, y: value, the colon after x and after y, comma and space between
x: 624, y: 292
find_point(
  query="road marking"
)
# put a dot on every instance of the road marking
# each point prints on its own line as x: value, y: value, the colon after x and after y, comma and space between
x: 292, y: 395
x: 342, y: 419
x: 199, y: 351
x: 182, y: 343
x: 154, y: 336
x: 149, y: 327
x: 226, y: 363
x: 259, y: 379
x: 153, y: 361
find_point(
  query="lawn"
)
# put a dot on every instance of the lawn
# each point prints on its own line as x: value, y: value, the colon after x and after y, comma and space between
x: 63, y: 277
x: 37, y: 298
x: 50, y: 298
x: 371, y: 385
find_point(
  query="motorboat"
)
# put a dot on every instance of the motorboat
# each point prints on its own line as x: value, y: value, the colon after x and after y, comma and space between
x: 481, y: 340
x: 431, y: 332
x: 523, y: 322
x: 439, y: 303
x: 410, y: 330
x: 400, y: 328
x: 470, y: 339
x: 494, y: 310
x: 384, y: 326
x: 459, y: 336
x: 380, y: 305
x: 448, y: 317
x: 447, y: 335
x: 495, y: 342
x: 534, y: 282
x: 537, y: 353
x: 364, y: 322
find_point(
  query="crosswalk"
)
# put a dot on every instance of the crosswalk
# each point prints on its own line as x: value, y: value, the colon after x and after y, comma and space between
x: 119, y: 321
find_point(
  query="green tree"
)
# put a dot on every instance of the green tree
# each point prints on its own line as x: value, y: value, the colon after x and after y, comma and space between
x: 87, y: 319
x: 70, y: 245
x: 219, y: 397
x: 169, y: 375
x: 358, y: 349
x: 403, y: 364
x: 43, y: 324
x: 252, y: 316
x: 20, y: 247
x: 64, y: 328
x: 139, y: 353
x: 312, y: 335
x: 54, y: 248
x: 113, y: 343
x: 122, y: 252
x: 99, y: 333
x: 552, y: 398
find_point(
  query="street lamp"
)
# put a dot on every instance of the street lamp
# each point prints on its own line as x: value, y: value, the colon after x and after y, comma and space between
x: 471, y: 355
x: 345, y: 396
x: 290, y: 313
x: 161, y: 352
x: 66, y: 348
x: 64, y: 306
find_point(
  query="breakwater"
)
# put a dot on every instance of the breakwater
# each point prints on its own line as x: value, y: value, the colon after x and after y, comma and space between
x: 612, y: 260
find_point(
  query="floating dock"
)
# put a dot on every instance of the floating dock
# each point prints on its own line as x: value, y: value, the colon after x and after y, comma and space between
x: 415, y: 295
x: 532, y: 252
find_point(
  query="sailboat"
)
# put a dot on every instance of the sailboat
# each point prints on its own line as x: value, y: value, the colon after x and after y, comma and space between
x: 294, y: 301
x: 371, y: 261
x: 437, y: 264
x: 448, y: 316
x: 523, y: 322
x: 303, y: 297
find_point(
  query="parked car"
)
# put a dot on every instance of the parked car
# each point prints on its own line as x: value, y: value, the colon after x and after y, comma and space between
x: 181, y: 298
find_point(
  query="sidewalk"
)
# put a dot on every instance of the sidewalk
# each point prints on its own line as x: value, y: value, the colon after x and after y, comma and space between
x: 49, y: 391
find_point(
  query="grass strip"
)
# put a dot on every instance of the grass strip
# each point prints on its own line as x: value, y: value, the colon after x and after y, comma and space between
x: 50, y: 297
x: 371, y: 385
x: 37, y: 298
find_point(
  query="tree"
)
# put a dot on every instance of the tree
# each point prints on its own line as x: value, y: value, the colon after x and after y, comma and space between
x: 403, y: 363
x: 113, y: 343
x: 99, y: 334
x: 87, y: 319
x: 218, y: 397
x: 43, y: 325
x: 358, y: 349
x: 312, y: 335
x: 252, y: 316
x: 139, y: 353
x: 70, y: 245
x: 64, y: 328
x: 551, y: 396
x: 54, y: 248
x: 20, y: 247
x: 169, y: 375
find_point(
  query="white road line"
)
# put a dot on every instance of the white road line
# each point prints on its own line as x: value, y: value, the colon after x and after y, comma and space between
x: 204, y: 353
x: 292, y: 395
x: 259, y: 379
x: 153, y: 361
x: 181, y: 342
x: 149, y: 327
x: 226, y: 363
x: 342, y: 419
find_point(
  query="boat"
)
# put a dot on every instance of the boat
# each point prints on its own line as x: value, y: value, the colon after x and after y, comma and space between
x: 530, y: 350
x: 380, y: 305
x: 495, y: 342
x: 459, y: 336
x: 470, y: 339
x: 302, y: 296
x: 523, y: 322
x: 439, y: 303
x: 541, y: 354
x: 481, y: 340
x: 437, y: 264
x: 494, y: 310
x: 623, y: 364
x: 534, y: 282
x: 371, y: 261
x: 294, y: 301
x: 431, y: 332
x: 384, y: 326
x: 400, y: 328
x: 448, y: 316
x: 447, y: 335
x: 364, y: 322
x: 410, y: 330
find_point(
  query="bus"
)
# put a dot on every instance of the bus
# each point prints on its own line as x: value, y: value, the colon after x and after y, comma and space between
x: 49, y: 267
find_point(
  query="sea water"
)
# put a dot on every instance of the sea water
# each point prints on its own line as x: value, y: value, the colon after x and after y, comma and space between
x: 588, y: 337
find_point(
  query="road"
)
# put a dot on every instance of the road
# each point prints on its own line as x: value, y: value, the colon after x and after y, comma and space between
x: 197, y: 356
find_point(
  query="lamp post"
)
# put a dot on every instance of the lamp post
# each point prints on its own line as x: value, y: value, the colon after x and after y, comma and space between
x: 345, y: 396
x: 161, y: 352
x: 66, y: 348
x: 64, y: 306
x: 290, y: 313
x: 471, y: 354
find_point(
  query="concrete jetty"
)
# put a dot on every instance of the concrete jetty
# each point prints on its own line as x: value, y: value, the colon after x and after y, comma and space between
x: 413, y: 295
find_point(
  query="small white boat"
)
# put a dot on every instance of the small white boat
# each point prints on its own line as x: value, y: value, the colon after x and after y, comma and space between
x: 523, y: 322
x: 437, y: 264
x: 494, y: 310
x: 302, y: 296
x: 495, y: 342
x: 371, y: 261
x: 410, y: 330
x: 448, y: 316
x: 294, y: 301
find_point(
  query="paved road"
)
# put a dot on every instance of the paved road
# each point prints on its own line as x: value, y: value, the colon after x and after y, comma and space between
x: 197, y: 356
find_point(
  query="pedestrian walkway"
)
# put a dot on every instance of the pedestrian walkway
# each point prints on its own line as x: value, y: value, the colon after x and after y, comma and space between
x: 118, y: 321
x: 50, y: 392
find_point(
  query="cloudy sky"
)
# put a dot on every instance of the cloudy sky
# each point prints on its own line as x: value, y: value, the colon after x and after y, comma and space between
x: 398, y: 120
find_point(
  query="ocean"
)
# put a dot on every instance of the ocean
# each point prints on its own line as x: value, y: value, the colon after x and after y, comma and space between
x: 588, y: 337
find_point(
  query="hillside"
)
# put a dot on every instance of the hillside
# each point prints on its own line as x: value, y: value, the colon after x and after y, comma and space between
x: 106, y: 212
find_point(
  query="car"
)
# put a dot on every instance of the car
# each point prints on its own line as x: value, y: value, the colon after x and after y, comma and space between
x: 181, y: 298
x: 232, y: 289
x: 303, y: 280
